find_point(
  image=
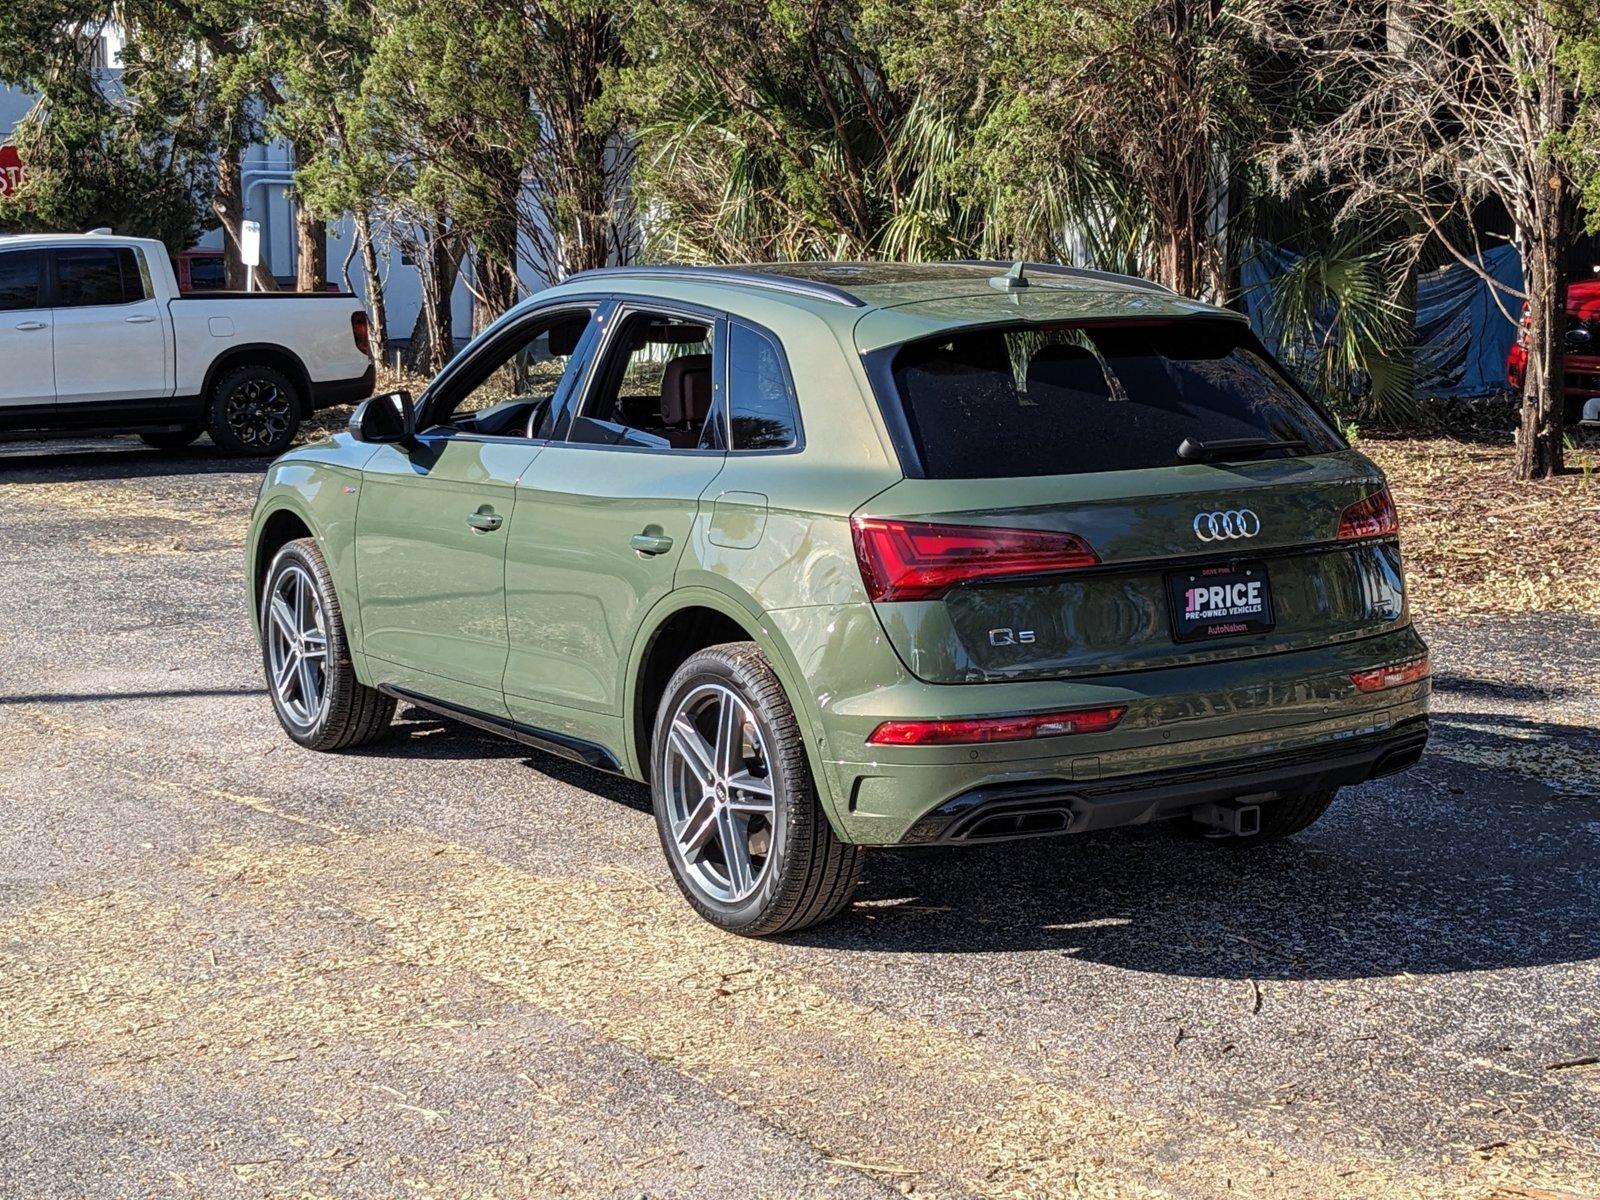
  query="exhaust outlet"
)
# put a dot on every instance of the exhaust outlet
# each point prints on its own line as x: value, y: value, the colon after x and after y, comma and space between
x: 1229, y: 818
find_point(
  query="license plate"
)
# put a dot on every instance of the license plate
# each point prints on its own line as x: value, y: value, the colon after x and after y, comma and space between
x: 1213, y: 602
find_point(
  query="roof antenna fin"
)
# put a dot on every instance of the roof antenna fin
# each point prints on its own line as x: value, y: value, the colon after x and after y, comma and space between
x: 1012, y: 279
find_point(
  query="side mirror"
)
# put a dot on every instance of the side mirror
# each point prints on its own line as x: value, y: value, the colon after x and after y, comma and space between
x: 384, y: 419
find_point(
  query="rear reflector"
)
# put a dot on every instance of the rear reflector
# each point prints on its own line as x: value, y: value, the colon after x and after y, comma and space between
x: 1379, y: 678
x: 995, y: 729
x: 360, y: 330
x: 1370, y: 518
x: 915, y: 560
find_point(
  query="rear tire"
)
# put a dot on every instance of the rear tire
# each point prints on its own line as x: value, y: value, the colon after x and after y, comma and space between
x: 728, y: 767
x: 171, y: 439
x: 254, y: 409
x: 1285, y: 817
x: 315, y: 693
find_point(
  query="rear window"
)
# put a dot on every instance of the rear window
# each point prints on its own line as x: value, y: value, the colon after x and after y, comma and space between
x: 86, y: 278
x: 1067, y: 400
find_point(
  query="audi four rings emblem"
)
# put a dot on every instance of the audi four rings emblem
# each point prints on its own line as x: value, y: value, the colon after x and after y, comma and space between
x: 1222, y: 526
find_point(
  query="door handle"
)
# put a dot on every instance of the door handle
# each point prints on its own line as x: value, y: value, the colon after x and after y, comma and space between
x: 144, y: 320
x: 650, y: 543
x: 484, y: 520
x: 30, y: 326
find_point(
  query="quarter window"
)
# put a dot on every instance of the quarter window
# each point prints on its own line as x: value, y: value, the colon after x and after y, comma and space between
x: 96, y: 276
x: 761, y: 396
x: 19, y: 279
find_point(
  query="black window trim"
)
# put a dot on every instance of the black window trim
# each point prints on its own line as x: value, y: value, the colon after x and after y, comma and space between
x: 621, y: 307
x: 788, y: 377
x: 509, y: 328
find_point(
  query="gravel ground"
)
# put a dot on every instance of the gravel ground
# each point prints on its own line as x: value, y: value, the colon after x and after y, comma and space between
x: 442, y: 966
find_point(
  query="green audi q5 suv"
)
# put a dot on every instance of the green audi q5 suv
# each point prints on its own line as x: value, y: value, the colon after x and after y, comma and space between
x: 846, y: 555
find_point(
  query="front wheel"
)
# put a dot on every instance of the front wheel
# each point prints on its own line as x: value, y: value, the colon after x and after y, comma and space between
x: 735, y: 803
x: 254, y: 409
x: 319, y: 701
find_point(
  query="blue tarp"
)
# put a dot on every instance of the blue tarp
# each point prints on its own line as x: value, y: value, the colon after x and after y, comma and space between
x: 1461, y: 335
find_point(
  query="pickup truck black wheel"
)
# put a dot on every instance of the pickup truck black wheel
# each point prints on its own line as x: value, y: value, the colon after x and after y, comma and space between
x: 171, y: 439
x: 319, y: 701
x: 254, y: 409
x: 735, y: 803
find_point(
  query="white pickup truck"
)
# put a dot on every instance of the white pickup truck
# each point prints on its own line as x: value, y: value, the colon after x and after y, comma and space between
x: 95, y: 339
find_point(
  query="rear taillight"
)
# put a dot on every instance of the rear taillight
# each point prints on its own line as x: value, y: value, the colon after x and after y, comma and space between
x: 1370, y: 518
x: 360, y: 329
x: 1379, y: 678
x: 915, y: 560
x: 966, y: 731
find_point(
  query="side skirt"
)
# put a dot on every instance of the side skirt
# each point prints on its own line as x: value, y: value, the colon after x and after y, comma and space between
x: 590, y: 754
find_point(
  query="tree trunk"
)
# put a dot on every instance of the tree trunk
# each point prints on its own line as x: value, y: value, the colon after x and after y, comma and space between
x: 495, y: 261
x: 311, y: 250
x: 1543, y: 386
x: 228, y: 204
x: 433, y: 339
x: 374, y: 289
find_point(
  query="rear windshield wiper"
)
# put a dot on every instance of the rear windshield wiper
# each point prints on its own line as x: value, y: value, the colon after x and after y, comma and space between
x: 1224, y: 449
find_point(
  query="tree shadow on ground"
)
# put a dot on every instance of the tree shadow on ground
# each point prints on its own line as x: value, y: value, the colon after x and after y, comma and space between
x: 109, y: 459
x: 1453, y: 867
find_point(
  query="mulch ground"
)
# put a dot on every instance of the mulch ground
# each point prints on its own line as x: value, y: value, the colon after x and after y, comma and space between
x: 1477, y: 541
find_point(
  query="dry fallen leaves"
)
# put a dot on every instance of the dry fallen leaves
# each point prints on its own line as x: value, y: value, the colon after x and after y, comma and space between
x: 1476, y: 541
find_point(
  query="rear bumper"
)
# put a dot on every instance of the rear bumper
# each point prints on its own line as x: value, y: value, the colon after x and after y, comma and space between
x: 1187, y: 720
x: 1048, y: 807
x: 344, y: 391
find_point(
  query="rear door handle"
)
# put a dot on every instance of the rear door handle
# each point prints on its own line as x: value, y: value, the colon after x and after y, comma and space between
x: 485, y: 520
x: 650, y: 543
x: 30, y: 326
x: 138, y: 320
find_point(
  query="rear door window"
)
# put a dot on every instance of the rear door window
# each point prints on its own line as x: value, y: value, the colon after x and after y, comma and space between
x: 1066, y: 400
x: 97, y: 276
x: 20, y: 276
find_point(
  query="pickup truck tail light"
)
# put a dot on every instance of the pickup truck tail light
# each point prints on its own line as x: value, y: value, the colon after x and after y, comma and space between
x: 361, y: 330
x: 1369, y: 518
x: 916, y: 560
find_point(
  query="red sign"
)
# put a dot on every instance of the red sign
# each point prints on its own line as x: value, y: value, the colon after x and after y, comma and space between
x: 11, y: 170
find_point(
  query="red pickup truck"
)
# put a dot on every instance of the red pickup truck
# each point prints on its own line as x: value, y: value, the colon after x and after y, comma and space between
x: 1583, y: 353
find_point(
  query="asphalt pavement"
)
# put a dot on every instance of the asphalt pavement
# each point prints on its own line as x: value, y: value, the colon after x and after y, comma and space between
x: 447, y: 966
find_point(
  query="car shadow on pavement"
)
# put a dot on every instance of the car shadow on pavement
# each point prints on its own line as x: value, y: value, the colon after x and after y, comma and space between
x: 115, y: 458
x: 109, y: 697
x: 422, y: 735
x: 1460, y: 865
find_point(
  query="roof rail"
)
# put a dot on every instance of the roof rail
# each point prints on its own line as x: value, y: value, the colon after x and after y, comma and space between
x: 811, y: 288
x: 1041, y: 268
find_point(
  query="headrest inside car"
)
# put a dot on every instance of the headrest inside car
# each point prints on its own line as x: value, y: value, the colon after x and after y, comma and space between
x: 564, y: 334
x: 1067, y: 368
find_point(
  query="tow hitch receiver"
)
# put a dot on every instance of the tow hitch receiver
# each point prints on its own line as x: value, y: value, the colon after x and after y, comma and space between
x: 1229, y: 818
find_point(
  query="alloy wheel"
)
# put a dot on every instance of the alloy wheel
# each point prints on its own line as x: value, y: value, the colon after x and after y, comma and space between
x: 297, y: 645
x: 259, y: 413
x: 719, y: 794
